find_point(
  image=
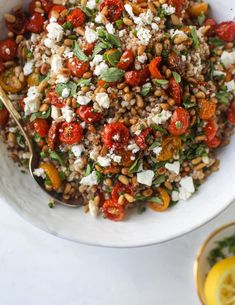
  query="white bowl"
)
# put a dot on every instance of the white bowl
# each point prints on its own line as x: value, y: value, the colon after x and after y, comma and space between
x: 20, y: 192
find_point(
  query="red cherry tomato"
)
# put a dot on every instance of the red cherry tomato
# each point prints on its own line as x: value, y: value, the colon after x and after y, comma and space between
x: 175, y: 91
x: 36, y: 23
x: 210, y: 130
x: 4, y: 115
x: 178, y: 4
x: 19, y: 26
x: 70, y: 133
x: 212, y: 23
x: 8, y: 48
x: 231, y: 113
x: 76, y: 17
x: 2, y: 68
x: 153, y: 67
x: 58, y: 9
x: 112, y: 210
x: 140, y: 140
x: 115, y: 135
x: 77, y: 67
x: 226, y: 31
x: 115, y: 9
x: 121, y: 189
x: 88, y: 47
x: 213, y: 143
x: 88, y: 115
x: 179, y: 122
x: 53, y: 135
x: 126, y: 60
x: 136, y: 78
x: 47, y: 5
x: 55, y: 99
x: 32, y: 6
x: 42, y: 127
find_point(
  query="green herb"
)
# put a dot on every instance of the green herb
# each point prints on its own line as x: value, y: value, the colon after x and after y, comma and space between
x: 51, y: 205
x: 20, y: 140
x: 112, y: 74
x: 99, y: 176
x: 201, y: 18
x: 43, y: 77
x: 108, y: 38
x: 42, y: 154
x: 40, y: 115
x: 55, y: 156
x: 71, y: 86
x: 195, y: 39
x: 215, y: 41
x: 100, y: 47
x: 223, y: 95
x: 78, y: 52
x: 146, y: 89
x: 72, y: 37
x: 178, y: 125
x: 36, y: 138
x: 188, y: 104
x: 84, y: 82
x: 30, y: 55
x: 210, y: 70
x: 87, y: 11
x: 62, y: 175
x: 155, y: 200
x: 177, y: 77
x: 113, y: 58
x: 88, y: 169
x: 141, y: 209
x: 119, y: 22
x: 1, y: 105
x: 159, y: 128
x: 135, y: 166
x: 67, y: 25
x: 154, y: 145
x: 47, y: 180
x: 160, y: 81
x: 159, y: 180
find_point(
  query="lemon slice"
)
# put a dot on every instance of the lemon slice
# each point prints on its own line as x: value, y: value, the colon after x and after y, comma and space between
x: 220, y: 283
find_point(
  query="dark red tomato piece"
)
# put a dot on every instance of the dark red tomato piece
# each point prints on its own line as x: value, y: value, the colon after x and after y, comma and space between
x: 53, y: 135
x: 153, y: 67
x: 126, y: 60
x: 58, y: 10
x: 121, y: 189
x: 4, y: 115
x: 144, y: 75
x: 136, y: 78
x: 115, y: 9
x: 175, y: 91
x: 179, y: 122
x: 32, y: 6
x: 112, y: 210
x: 212, y: 23
x: 70, y: 133
x: 226, y: 31
x: 76, y: 17
x: 115, y: 135
x: 88, y: 115
x: 88, y: 47
x: 8, y: 48
x: 2, y: 68
x: 19, y: 26
x: 210, y: 130
x: 55, y: 99
x: 41, y: 127
x: 47, y: 5
x: 36, y: 23
x: 231, y: 113
x: 77, y: 67
x: 178, y: 4
x: 213, y: 143
x: 140, y: 140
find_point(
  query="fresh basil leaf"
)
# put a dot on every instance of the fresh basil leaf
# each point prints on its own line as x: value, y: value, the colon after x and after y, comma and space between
x: 154, y: 145
x: 159, y: 180
x: 62, y: 175
x: 110, y: 38
x: 87, y: 11
x: 20, y: 140
x: 30, y: 55
x: 119, y: 22
x: 36, y: 138
x: 43, y: 77
x: 55, y: 156
x: 70, y: 86
x: 78, y: 52
x: 155, y: 200
x: 113, y: 58
x: 67, y: 25
x: 40, y: 115
x: 88, y: 169
x: 195, y: 39
x: 99, y: 176
x: 145, y: 90
x: 188, y: 104
x: 141, y: 209
x: 201, y: 18
x: 160, y: 81
x: 135, y: 166
x: 159, y: 128
x: 177, y: 77
x: 112, y: 74
x: 215, y: 41
x: 84, y: 82
x: 223, y: 96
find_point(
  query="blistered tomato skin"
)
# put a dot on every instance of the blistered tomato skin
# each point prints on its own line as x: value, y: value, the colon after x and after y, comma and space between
x: 114, y: 7
x: 154, y: 67
x: 70, y: 133
x: 77, y: 67
x: 36, y: 23
x: 115, y: 135
x: 47, y: 5
x: 213, y: 143
x: 175, y: 91
x: 226, y: 31
x: 179, y: 122
x: 120, y: 189
x: 18, y: 27
x: 58, y: 9
x: 213, y: 24
x: 112, y: 210
x: 8, y: 48
x: 76, y: 17
x: 88, y: 115
x: 55, y: 99
x: 4, y: 116
x: 53, y: 135
x: 136, y: 78
x: 42, y: 127
x: 178, y: 4
x: 140, y: 140
x: 210, y: 130
x: 126, y: 60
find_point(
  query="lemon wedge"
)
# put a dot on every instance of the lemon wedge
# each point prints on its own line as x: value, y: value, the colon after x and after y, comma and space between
x: 220, y: 283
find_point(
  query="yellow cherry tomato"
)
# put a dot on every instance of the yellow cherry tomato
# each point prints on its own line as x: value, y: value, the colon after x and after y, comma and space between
x: 160, y: 207
x: 32, y: 79
x: 170, y: 146
x: 53, y: 175
x: 10, y: 82
x: 197, y: 9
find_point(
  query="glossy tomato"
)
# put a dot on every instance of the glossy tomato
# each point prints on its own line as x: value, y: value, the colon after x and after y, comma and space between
x: 210, y: 130
x: 88, y: 115
x: 59, y: 10
x: 137, y: 78
x: 8, y: 48
x: 77, y: 67
x: 36, y: 23
x: 212, y: 23
x: 88, y: 47
x: 114, y: 7
x: 55, y: 99
x: 226, y: 31
x: 153, y: 67
x: 47, y: 5
x: 178, y: 4
x: 53, y: 135
x: 32, y: 6
x: 179, y: 122
x: 140, y: 140
x: 126, y: 60
x: 115, y: 135
x: 175, y: 91
x: 121, y: 189
x: 70, y: 133
x: 42, y: 127
x: 18, y: 27
x: 4, y: 115
x: 112, y: 210
x: 231, y: 113
x: 213, y: 143
x: 76, y: 17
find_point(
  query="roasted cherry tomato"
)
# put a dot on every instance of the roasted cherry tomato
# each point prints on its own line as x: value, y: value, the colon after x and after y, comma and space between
x: 36, y: 23
x: 88, y: 115
x: 70, y: 133
x: 173, y: 61
x: 8, y: 48
x: 42, y: 127
x: 9, y: 81
x: 87, y: 47
x: 76, y: 17
x: 210, y: 130
x: 165, y: 198
x: 114, y: 7
x: 47, y: 5
x: 77, y: 67
x: 60, y: 10
x: 213, y: 143
x: 18, y: 27
x: 126, y: 60
x: 212, y: 23
x: 32, y: 6
x: 206, y: 109
x: 52, y: 135
x: 170, y: 146
x: 136, y: 78
x: 2, y: 68
x: 144, y: 74
x: 179, y: 122
x: 226, y: 31
x: 153, y: 67
x: 55, y: 99
x: 231, y: 113
x: 126, y: 157
x: 197, y: 9
x: 115, y: 135
x: 53, y: 174
x: 4, y: 115
x: 121, y: 189
x: 175, y: 91
x: 112, y: 210
x: 140, y: 140
x: 178, y: 4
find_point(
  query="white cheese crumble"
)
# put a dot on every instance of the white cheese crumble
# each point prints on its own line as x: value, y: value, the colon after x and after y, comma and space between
x: 145, y: 177
x: 77, y: 150
x: 83, y: 100
x: 93, y: 209
x: 90, y: 179
x: 161, y: 117
x: 175, y: 196
x: 60, y: 78
x: 103, y: 100
x: 168, y: 9
x: 228, y: 58
x: 99, y: 18
x: 174, y: 33
x: 157, y: 150
x: 68, y: 53
x: 144, y: 36
x: 173, y: 167
x: 116, y: 158
x: 56, y: 63
x: 230, y: 86
x: 110, y: 28
x: 96, y: 60
x: 39, y: 172
x: 91, y: 35
x: 32, y: 101
x: 91, y: 4
x: 65, y: 93
x: 142, y: 58
x: 104, y: 161
x: 28, y: 67
x: 55, y: 31
x: 67, y: 113
x: 186, y: 188
x: 218, y: 73
x: 55, y: 112
x: 100, y: 68
x: 133, y: 147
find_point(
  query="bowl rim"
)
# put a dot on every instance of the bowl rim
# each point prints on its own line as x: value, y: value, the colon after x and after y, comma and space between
x: 199, y: 254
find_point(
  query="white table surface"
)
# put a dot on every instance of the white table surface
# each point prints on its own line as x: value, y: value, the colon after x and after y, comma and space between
x: 39, y: 269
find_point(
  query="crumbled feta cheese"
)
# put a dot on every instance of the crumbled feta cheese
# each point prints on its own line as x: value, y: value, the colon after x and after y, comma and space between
x: 116, y: 158
x: 122, y: 33
x: 39, y: 172
x: 206, y: 159
x: 91, y: 4
x: 168, y: 9
x: 145, y: 177
x: 144, y: 18
x: 90, y: 179
x: 49, y: 43
x: 32, y: 101
x: 230, y: 86
x: 144, y: 36
x: 55, y: 31
x: 67, y: 113
x: 93, y: 209
x: 99, y: 18
x: 110, y: 28
x: 28, y: 67
x: 103, y: 100
x: 161, y: 117
x: 154, y: 26
x: 104, y: 161
x: 142, y: 58
x: 83, y: 100
x: 157, y: 150
x: 94, y: 154
x: 175, y: 196
x: 68, y: 53
x: 133, y: 147
x: 129, y: 10
x: 13, y: 129
x: 65, y: 93
x: 218, y: 73
x: 96, y: 60
x: 56, y: 63
x: 55, y: 112
x: 100, y: 68
x: 77, y: 150
x: 173, y: 167
x: 91, y: 35
x: 53, y: 19
x: 228, y: 58
x: 174, y: 33
x: 60, y: 78
x: 186, y: 188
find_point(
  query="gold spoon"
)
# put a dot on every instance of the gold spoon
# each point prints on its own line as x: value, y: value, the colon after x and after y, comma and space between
x: 34, y: 157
